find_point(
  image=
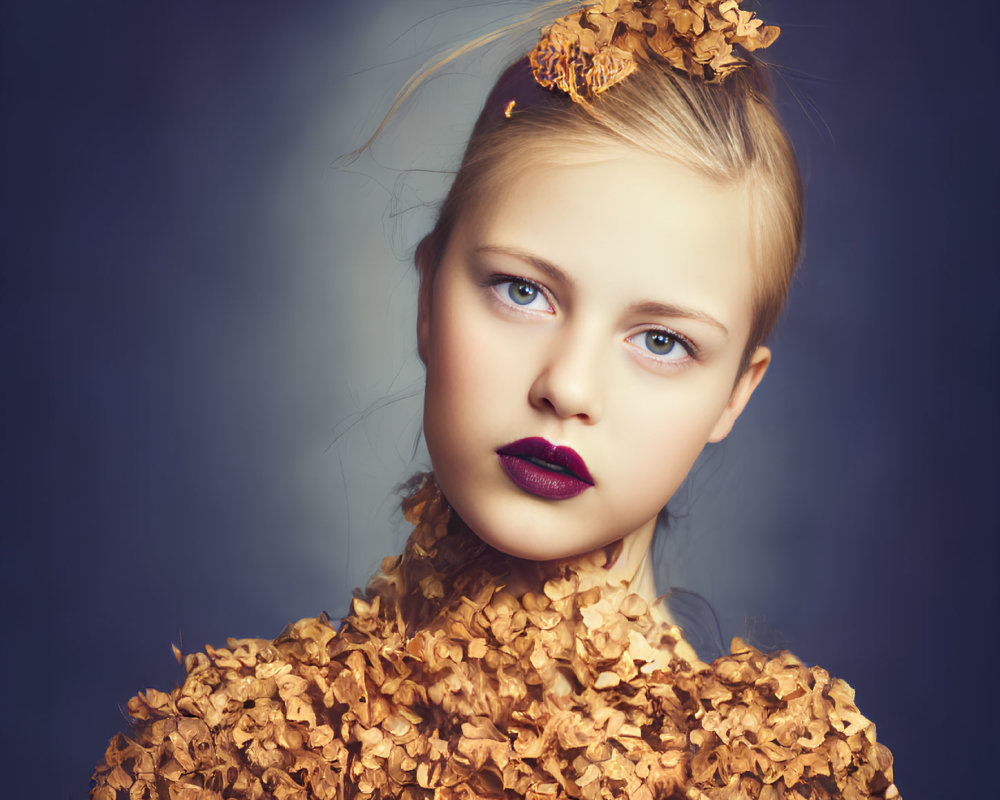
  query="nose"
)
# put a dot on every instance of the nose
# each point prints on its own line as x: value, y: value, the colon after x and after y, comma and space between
x: 569, y: 379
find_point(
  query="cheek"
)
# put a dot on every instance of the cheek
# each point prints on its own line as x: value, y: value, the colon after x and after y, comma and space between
x: 455, y: 368
x: 659, y: 431
x: 466, y: 379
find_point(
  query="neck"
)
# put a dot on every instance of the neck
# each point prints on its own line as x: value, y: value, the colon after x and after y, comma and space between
x: 633, y: 568
x: 444, y: 560
x: 626, y: 563
x: 633, y: 564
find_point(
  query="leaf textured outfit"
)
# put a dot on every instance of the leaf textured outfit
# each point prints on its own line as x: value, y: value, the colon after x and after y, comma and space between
x: 443, y: 684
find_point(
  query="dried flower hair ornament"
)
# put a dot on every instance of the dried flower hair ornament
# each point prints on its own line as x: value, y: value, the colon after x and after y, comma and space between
x: 589, y: 51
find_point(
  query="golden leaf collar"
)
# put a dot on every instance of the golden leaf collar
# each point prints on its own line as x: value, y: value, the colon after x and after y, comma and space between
x: 589, y: 51
x: 444, y: 685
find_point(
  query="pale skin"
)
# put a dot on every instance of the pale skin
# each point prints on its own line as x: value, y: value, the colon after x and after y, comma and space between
x: 614, y: 327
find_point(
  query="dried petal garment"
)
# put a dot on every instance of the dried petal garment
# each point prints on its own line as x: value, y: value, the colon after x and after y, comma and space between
x: 444, y: 684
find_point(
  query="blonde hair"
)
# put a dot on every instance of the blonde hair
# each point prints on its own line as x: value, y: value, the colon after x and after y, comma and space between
x: 727, y: 131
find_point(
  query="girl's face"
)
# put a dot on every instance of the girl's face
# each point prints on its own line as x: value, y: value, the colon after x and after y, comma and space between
x: 598, y: 309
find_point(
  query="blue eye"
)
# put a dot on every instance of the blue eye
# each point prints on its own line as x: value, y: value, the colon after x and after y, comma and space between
x: 521, y: 294
x: 662, y: 345
x: 659, y: 343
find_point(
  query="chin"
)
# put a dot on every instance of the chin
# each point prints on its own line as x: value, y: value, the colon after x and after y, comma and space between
x: 532, y: 545
x: 517, y: 524
x: 528, y: 552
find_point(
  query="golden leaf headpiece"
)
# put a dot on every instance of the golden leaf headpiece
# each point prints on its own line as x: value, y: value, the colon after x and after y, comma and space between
x: 589, y: 51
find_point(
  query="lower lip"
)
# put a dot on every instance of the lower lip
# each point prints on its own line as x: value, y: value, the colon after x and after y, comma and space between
x: 540, y: 481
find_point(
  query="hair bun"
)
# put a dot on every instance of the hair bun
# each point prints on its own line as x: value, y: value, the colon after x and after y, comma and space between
x: 589, y: 51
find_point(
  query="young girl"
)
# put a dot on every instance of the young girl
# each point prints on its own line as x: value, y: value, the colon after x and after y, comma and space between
x: 593, y: 305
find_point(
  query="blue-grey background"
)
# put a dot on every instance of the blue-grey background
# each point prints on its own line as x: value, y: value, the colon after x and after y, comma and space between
x: 210, y: 384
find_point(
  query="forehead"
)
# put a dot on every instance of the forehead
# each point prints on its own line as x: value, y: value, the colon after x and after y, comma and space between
x: 640, y: 226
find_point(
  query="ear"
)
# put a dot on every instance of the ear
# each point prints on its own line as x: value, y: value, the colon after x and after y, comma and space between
x: 426, y: 259
x: 745, y: 386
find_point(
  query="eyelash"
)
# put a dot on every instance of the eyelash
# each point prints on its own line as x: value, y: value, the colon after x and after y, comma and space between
x: 502, y: 297
x: 690, y: 352
x: 495, y: 282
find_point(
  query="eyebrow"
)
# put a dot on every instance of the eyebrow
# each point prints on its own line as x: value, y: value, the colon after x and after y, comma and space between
x: 540, y: 264
x: 647, y: 307
x: 670, y: 310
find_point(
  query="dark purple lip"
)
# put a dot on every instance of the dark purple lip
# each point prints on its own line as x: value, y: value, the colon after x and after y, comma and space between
x: 544, y: 450
x: 541, y: 468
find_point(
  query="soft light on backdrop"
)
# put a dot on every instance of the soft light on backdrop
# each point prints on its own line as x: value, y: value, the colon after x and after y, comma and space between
x: 213, y: 385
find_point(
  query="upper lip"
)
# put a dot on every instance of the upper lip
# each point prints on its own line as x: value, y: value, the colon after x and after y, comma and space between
x: 565, y: 457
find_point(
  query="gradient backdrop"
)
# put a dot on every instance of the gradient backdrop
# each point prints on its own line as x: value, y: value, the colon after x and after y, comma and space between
x: 210, y: 383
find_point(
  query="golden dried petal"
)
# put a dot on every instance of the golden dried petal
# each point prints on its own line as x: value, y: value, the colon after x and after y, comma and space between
x: 686, y: 22
x: 118, y: 778
x: 431, y: 587
x: 572, y: 692
x: 607, y: 680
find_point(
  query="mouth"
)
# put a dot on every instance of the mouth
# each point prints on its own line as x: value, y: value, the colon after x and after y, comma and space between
x: 545, y: 470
